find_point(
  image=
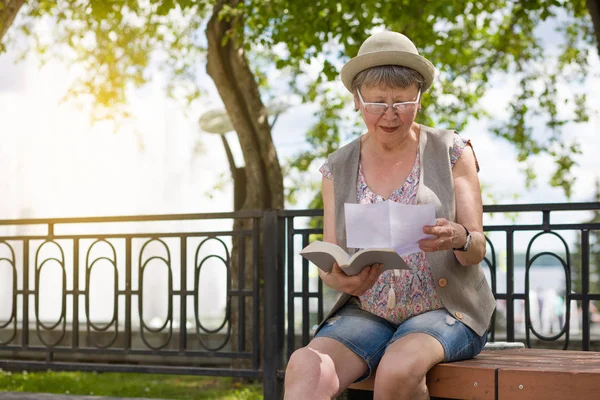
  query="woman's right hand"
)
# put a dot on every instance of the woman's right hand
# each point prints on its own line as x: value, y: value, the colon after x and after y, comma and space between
x: 355, y: 285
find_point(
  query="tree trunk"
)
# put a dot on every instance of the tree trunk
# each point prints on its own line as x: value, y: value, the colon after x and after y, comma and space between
x: 228, y: 67
x: 8, y: 11
x: 594, y: 9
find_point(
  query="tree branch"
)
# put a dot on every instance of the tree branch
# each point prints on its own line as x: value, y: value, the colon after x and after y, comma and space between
x: 8, y: 12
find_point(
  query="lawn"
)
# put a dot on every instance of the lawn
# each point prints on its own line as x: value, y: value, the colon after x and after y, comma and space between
x: 129, y: 385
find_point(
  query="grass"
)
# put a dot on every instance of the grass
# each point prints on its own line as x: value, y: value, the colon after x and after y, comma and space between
x: 129, y: 385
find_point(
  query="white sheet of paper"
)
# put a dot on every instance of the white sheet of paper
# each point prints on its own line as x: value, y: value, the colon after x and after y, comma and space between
x: 388, y: 225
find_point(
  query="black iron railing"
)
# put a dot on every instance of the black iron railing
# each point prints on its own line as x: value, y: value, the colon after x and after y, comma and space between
x: 293, y: 298
x: 127, y: 340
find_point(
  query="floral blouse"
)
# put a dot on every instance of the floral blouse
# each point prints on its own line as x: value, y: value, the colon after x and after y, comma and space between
x: 399, y: 294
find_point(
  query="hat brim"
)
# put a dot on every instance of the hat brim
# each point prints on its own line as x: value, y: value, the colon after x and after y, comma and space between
x: 376, y: 59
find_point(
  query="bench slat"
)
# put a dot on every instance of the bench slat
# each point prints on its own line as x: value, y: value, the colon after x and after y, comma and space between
x: 521, y: 374
x: 548, y: 385
x: 462, y: 383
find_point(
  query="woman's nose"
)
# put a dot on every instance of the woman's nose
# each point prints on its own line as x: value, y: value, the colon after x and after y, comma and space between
x: 390, y: 113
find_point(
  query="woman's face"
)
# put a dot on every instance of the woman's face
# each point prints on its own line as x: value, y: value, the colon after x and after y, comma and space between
x: 392, y: 122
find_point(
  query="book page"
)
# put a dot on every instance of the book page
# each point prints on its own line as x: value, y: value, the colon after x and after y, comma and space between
x: 324, y: 254
x: 368, y: 225
x: 388, y: 257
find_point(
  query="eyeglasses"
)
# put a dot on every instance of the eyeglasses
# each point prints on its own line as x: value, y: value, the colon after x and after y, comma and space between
x: 380, y: 108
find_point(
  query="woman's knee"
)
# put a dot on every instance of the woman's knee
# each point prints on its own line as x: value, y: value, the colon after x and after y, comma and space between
x: 406, y: 376
x: 310, y: 366
x: 301, y: 360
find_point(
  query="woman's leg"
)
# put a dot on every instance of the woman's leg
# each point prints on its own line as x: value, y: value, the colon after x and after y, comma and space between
x: 347, y: 348
x: 321, y: 370
x: 402, y: 370
x: 418, y: 344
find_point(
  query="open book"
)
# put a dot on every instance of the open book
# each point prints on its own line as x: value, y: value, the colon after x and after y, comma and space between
x: 324, y: 254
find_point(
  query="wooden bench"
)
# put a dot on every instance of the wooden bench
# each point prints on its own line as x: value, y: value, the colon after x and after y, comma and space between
x: 515, y: 374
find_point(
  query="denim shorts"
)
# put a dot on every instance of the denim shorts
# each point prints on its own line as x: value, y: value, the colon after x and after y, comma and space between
x: 368, y: 335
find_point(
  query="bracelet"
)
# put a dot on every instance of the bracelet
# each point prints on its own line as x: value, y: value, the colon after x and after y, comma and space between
x: 467, y: 243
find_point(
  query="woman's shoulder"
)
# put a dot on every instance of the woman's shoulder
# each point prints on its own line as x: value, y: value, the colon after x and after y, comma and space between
x: 459, y: 140
x: 438, y: 131
x: 341, y: 155
x: 449, y: 139
x: 345, y: 151
x: 443, y: 136
x: 460, y: 143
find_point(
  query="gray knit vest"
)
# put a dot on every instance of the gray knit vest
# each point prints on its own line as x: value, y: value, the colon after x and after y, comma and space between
x: 466, y: 295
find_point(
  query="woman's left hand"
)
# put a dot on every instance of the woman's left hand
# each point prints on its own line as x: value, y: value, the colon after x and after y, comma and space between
x: 448, y: 235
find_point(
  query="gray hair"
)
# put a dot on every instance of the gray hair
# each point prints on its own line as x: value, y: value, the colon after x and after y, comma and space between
x: 394, y: 76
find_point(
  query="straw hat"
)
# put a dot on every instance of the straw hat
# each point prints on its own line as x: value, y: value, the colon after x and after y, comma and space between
x: 387, y: 48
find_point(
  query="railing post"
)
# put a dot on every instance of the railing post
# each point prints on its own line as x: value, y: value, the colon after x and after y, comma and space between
x: 510, y: 287
x: 585, y: 289
x: 25, y: 324
x: 75, y: 324
x: 271, y: 385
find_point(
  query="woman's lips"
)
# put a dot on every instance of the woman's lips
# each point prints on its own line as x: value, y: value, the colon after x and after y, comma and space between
x: 388, y: 129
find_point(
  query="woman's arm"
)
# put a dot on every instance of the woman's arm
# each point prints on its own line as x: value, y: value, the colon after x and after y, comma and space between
x: 469, y: 213
x: 469, y: 209
x: 337, y: 279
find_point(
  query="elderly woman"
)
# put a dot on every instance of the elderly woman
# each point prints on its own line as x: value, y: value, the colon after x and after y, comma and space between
x: 402, y: 322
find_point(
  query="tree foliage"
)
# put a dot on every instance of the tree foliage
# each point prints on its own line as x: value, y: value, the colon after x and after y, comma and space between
x: 117, y: 41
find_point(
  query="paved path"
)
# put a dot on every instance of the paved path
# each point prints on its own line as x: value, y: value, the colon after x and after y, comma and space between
x: 43, y: 396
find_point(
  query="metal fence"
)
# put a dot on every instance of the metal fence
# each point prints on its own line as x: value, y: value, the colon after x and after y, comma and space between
x: 63, y: 253
x: 62, y: 259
